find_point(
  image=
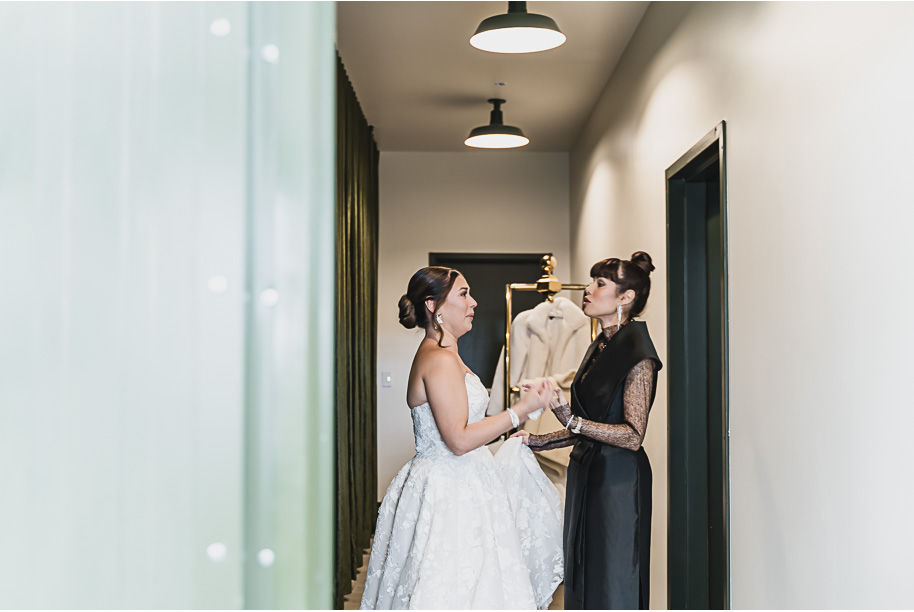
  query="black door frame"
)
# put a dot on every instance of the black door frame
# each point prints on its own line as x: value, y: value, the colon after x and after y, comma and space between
x: 699, y: 159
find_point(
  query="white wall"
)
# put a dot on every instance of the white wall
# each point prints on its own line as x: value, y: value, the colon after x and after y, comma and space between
x: 478, y: 201
x: 818, y: 100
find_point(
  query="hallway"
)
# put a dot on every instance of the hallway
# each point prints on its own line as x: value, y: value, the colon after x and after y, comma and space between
x: 200, y: 327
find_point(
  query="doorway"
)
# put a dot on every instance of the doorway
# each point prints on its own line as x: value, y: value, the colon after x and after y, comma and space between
x: 487, y: 275
x: 699, y: 569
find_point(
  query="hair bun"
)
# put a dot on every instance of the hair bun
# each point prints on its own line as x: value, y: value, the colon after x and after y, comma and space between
x: 407, y: 312
x: 643, y: 261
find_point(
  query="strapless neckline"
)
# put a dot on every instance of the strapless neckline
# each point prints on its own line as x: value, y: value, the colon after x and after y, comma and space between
x: 464, y: 378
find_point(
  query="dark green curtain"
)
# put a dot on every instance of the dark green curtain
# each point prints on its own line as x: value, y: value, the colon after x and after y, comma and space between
x: 356, y: 325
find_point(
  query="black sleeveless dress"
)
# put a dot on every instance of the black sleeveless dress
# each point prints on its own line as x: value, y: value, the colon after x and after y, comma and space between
x: 607, y: 534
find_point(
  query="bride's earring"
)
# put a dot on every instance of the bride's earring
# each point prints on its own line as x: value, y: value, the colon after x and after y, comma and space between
x: 619, y: 314
x: 440, y: 321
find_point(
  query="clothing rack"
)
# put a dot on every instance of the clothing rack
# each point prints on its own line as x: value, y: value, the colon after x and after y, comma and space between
x: 547, y: 285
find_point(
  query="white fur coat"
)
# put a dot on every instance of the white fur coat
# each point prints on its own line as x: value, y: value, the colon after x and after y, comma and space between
x: 546, y: 341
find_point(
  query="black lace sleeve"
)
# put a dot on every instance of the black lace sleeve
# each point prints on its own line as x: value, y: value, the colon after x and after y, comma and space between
x: 555, y: 439
x: 639, y: 386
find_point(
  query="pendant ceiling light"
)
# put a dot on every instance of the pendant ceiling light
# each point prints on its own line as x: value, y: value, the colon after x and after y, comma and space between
x: 517, y: 31
x: 496, y: 135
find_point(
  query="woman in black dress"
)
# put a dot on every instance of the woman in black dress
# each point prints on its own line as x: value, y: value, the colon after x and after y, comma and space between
x: 608, y: 499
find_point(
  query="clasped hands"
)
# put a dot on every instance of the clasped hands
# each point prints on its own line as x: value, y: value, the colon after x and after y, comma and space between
x: 553, y: 397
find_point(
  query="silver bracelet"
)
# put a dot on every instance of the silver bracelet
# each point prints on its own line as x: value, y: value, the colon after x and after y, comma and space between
x: 577, y: 429
x: 570, y: 421
x: 515, y: 420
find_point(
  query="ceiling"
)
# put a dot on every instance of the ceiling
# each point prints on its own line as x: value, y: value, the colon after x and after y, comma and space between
x: 423, y: 87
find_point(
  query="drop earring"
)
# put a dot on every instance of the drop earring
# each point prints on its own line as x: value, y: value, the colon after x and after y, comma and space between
x: 619, y: 314
x: 438, y: 318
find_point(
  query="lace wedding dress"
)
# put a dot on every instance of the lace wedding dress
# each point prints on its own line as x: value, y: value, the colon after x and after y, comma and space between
x: 473, y: 531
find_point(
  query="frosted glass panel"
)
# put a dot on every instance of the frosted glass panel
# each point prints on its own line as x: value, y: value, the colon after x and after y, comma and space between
x: 290, y: 435
x: 126, y: 349
x: 122, y: 193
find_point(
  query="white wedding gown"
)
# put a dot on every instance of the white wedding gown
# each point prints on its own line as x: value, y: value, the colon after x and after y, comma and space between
x: 466, y: 532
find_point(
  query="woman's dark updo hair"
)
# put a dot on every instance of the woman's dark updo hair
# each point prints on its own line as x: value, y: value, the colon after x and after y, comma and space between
x: 429, y: 283
x: 634, y: 274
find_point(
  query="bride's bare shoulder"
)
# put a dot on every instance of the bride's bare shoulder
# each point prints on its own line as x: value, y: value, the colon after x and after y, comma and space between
x: 431, y: 359
x: 432, y: 364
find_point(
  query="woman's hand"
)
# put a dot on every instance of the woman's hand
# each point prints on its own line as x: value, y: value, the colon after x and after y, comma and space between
x: 559, y: 397
x: 521, y: 433
x: 560, y: 407
x: 532, y: 440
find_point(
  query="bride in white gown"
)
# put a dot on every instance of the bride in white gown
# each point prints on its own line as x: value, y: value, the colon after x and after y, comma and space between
x: 459, y: 528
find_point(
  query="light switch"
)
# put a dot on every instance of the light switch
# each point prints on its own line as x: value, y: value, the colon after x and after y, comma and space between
x: 385, y: 379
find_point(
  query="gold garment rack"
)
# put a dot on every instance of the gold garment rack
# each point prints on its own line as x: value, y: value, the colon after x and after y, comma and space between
x: 548, y: 285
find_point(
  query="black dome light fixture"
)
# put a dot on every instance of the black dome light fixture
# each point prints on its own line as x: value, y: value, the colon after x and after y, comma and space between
x: 517, y: 31
x: 496, y: 135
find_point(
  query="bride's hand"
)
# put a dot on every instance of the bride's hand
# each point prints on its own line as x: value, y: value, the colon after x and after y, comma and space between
x: 545, y: 392
x: 538, y: 397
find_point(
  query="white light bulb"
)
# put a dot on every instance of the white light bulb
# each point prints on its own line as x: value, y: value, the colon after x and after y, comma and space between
x: 496, y: 141
x: 266, y: 557
x: 270, y: 53
x: 217, y: 552
x: 220, y: 27
x: 218, y: 284
x: 517, y: 40
x: 269, y: 297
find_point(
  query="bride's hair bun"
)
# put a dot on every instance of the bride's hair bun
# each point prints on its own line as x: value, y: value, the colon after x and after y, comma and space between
x: 643, y: 261
x: 407, y: 312
x: 429, y: 283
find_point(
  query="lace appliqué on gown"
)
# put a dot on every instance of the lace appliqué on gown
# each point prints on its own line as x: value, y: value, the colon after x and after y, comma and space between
x: 467, y: 532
